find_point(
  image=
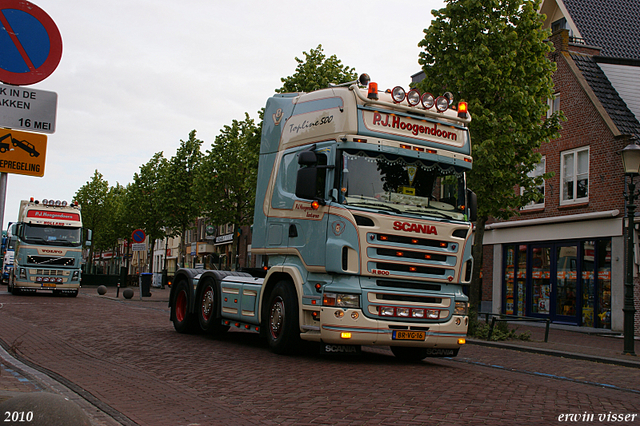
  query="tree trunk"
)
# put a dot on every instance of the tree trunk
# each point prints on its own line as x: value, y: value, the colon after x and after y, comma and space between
x: 476, y: 279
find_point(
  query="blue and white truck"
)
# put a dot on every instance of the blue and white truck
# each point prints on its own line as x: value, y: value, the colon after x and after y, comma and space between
x: 363, y: 224
x: 48, y: 248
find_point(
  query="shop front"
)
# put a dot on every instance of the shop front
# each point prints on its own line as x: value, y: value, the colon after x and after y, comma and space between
x: 567, y: 282
x: 569, y: 270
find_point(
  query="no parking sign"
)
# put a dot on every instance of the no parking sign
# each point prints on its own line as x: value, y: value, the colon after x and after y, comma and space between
x: 30, y: 43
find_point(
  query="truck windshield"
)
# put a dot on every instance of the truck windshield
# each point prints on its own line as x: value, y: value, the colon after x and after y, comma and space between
x: 51, y: 235
x: 402, y: 184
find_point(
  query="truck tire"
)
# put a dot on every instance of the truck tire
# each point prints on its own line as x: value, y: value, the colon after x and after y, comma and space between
x: 208, y: 303
x: 12, y: 286
x: 409, y: 354
x: 183, y: 320
x: 281, y: 319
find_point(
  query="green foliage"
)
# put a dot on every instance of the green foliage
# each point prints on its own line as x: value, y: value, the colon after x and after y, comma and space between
x: 228, y: 172
x: 501, y: 331
x: 493, y: 54
x: 145, y: 200
x: 92, y: 197
x: 181, y: 203
x: 315, y: 72
x: 227, y: 175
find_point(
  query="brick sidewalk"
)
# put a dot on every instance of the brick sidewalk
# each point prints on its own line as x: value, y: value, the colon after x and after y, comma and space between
x: 562, y: 342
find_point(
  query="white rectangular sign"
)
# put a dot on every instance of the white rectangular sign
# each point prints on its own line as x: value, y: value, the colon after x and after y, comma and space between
x: 139, y: 247
x: 28, y: 109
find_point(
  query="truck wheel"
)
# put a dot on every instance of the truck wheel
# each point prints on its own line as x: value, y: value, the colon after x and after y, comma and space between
x: 183, y: 320
x: 282, y: 328
x: 12, y: 286
x: 208, y: 304
x: 409, y: 354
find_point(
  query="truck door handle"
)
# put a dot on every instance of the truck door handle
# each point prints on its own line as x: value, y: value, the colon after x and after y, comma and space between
x: 293, y: 231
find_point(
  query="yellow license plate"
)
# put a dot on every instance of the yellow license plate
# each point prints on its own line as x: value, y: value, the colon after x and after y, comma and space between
x: 49, y: 285
x: 408, y: 335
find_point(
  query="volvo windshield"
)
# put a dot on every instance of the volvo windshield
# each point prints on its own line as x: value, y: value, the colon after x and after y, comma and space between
x: 52, y: 235
x: 401, y: 184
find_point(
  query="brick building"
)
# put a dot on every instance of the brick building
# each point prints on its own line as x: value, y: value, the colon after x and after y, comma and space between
x: 563, y: 257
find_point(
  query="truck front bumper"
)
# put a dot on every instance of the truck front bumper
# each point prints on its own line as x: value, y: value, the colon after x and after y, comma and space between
x: 350, y: 327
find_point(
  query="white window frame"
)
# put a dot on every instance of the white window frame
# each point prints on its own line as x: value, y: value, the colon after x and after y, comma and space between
x: 576, y: 176
x: 537, y: 171
x: 553, y: 104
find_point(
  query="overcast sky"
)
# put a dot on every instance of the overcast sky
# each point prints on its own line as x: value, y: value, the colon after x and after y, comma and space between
x: 137, y: 76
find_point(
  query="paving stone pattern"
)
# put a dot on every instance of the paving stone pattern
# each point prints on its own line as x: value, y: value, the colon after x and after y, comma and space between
x: 127, y: 355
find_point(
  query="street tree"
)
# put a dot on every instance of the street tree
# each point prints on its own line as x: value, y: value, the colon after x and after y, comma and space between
x: 145, y: 201
x: 493, y: 54
x: 92, y: 197
x: 227, y: 176
x: 181, y: 203
x: 315, y: 72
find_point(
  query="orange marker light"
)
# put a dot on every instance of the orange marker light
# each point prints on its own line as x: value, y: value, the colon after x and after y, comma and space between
x: 462, y: 109
x: 373, y: 91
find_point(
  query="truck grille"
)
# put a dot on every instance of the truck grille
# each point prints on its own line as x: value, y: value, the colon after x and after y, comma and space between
x: 50, y: 261
x: 50, y: 272
x: 409, y: 285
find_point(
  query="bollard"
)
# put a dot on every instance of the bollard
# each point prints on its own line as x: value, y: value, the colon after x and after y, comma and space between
x: 118, y: 290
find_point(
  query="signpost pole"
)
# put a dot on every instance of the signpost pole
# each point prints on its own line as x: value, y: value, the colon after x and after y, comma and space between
x: 3, y: 196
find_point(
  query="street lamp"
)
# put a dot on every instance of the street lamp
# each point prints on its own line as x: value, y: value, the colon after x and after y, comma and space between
x: 631, y: 165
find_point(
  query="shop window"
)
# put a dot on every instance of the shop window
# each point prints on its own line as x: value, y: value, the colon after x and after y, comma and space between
x: 538, y: 171
x: 574, y: 171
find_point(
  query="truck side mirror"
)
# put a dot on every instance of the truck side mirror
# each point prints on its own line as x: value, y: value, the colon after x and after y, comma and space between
x: 306, y: 182
x: 472, y: 199
x: 307, y: 158
x: 87, y: 242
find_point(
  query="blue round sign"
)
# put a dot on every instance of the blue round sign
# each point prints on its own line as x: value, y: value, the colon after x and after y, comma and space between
x: 30, y: 43
x: 138, y: 236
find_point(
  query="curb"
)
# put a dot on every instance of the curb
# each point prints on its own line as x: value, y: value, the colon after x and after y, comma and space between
x: 552, y: 352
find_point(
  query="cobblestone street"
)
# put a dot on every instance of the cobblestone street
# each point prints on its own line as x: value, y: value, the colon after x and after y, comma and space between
x: 126, y: 364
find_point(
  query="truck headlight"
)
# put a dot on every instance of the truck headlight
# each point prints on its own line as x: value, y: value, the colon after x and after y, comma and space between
x: 343, y: 300
x: 75, y: 275
x: 461, y: 308
x: 23, y: 273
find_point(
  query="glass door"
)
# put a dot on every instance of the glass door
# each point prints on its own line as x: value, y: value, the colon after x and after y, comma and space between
x: 554, y: 282
x: 515, y: 277
x: 565, y: 291
x: 541, y: 286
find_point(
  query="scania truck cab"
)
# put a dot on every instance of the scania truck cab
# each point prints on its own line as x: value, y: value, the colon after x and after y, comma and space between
x: 363, y: 224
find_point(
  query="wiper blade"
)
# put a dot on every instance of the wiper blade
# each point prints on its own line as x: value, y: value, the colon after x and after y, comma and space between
x: 377, y: 205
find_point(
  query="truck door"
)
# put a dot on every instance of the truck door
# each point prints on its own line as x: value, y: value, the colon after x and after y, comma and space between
x: 293, y: 223
x: 308, y: 228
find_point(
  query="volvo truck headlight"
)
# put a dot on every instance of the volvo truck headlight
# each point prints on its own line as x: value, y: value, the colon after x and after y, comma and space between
x: 23, y: 273
x: 343, y: 300
x: 461, y: 308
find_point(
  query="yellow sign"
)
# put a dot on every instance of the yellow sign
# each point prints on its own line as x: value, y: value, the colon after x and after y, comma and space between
x: 22, y: 153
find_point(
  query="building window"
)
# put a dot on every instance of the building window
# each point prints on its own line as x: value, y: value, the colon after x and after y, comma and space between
x: 553, y: 104
x: 574, y: 170
x: 538, y: 170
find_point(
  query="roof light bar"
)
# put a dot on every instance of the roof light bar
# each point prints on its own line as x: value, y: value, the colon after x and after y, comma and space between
x: 427, y: 100
x: 413, y: 97
x: 398, y: 94
x: 442, y: 104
